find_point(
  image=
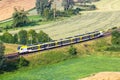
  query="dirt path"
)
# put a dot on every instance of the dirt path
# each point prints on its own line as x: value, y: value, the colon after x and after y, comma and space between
x: 104, y: 76
x: 7, y: 7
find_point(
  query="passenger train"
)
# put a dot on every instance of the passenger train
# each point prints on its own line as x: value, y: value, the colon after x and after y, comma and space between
x: 61, y: 42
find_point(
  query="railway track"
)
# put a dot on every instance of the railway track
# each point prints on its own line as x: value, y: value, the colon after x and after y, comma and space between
x: 15, y: 55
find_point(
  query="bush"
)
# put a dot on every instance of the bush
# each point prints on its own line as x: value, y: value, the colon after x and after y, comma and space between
x: 115, y: 38
x: 23, y: 62
x: 72, y: 50
x: 113, y: 48
x: 92, y: 7
x: 7, y: 37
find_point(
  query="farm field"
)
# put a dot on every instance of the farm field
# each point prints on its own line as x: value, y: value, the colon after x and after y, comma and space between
x: 79, y: 24
x: 72, y: 69
x: 105, y: 17
x: 108, y: 5
x: 7, y: 7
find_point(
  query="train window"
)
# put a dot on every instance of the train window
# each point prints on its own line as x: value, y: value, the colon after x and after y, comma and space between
x: 18, y: 47
x: 88, y: 37
x: 43, y: 46
x: 85, y: 37
x: 96, y: 34
x: 59, y: 43
x: 66, y: 41
x: 51, y: 44
x: 29, y: 48
x: 76, y: 40
x: 35, y: 47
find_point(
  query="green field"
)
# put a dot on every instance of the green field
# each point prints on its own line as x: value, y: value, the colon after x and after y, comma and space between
x: 71, y: 69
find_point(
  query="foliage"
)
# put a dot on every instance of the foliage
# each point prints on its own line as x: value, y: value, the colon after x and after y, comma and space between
x: 41, y: 5
x: 43, y: 37
x: 7, y: 37
x: 115, y: 38
x: 67, y: 4
x: 23, y: 37
x: 23, y: 62
x: 113, y: 48
x: 20, y: 18
x: 15, y: 38
x: 72, y: 50
x: 92, y: 7
x: 32, y: 36
x: 10, y: 66
x: 2, y: 58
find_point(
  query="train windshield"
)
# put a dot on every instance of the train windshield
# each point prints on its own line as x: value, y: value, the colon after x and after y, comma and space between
x: 18, y: 47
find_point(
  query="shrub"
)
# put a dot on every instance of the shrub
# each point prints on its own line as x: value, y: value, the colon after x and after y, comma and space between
x: 92, y: 7
x: 113, y: 48
x: 43, y: 37
x: 72, y: 50
x: 23, y: 37
x: 23, y: 62
x: 7, y: 37
x: 115, y: 38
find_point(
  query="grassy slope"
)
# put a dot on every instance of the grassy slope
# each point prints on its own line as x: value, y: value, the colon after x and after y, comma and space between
x: 10, y: 48
x: 67, y: 70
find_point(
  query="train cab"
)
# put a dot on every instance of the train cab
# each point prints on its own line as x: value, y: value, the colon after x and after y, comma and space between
x: 22, y: 49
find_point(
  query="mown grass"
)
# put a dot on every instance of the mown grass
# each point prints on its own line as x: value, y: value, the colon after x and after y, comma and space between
x: 71, y: 69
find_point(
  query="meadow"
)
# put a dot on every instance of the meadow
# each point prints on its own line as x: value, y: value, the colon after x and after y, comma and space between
x: 71, y: 69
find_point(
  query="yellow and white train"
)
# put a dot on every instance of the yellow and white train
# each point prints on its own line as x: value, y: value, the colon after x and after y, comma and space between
x: 61, y: 42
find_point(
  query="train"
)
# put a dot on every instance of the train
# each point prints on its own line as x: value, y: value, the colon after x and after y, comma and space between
x: 58, y: 43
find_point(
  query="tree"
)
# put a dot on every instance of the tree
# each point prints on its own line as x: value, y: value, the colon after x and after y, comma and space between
x: 43, y: 37
x: 15, y: 38
x: 116, y: 37
x: 46, y: 13
x: 41, y: 5
x: 23, y: 37
x: 72, y: 50
x: 2, y: 58
x: 32, y: 35
x: 20, y: 18
x: 7, y: 37
x: 67, y: 4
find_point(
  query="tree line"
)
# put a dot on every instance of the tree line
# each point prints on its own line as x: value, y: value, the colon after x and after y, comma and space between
x: 25, y: 37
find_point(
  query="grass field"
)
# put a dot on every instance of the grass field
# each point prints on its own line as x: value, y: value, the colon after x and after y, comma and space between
x: 101, y: 19
x: 78, y: 24
x: 72, y: 69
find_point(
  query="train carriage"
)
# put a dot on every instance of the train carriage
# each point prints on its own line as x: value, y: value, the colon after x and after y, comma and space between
x: 61, y: 42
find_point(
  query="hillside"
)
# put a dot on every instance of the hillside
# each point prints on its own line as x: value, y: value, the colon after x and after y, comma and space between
x: 7, y: 7
x: 72, y: 69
